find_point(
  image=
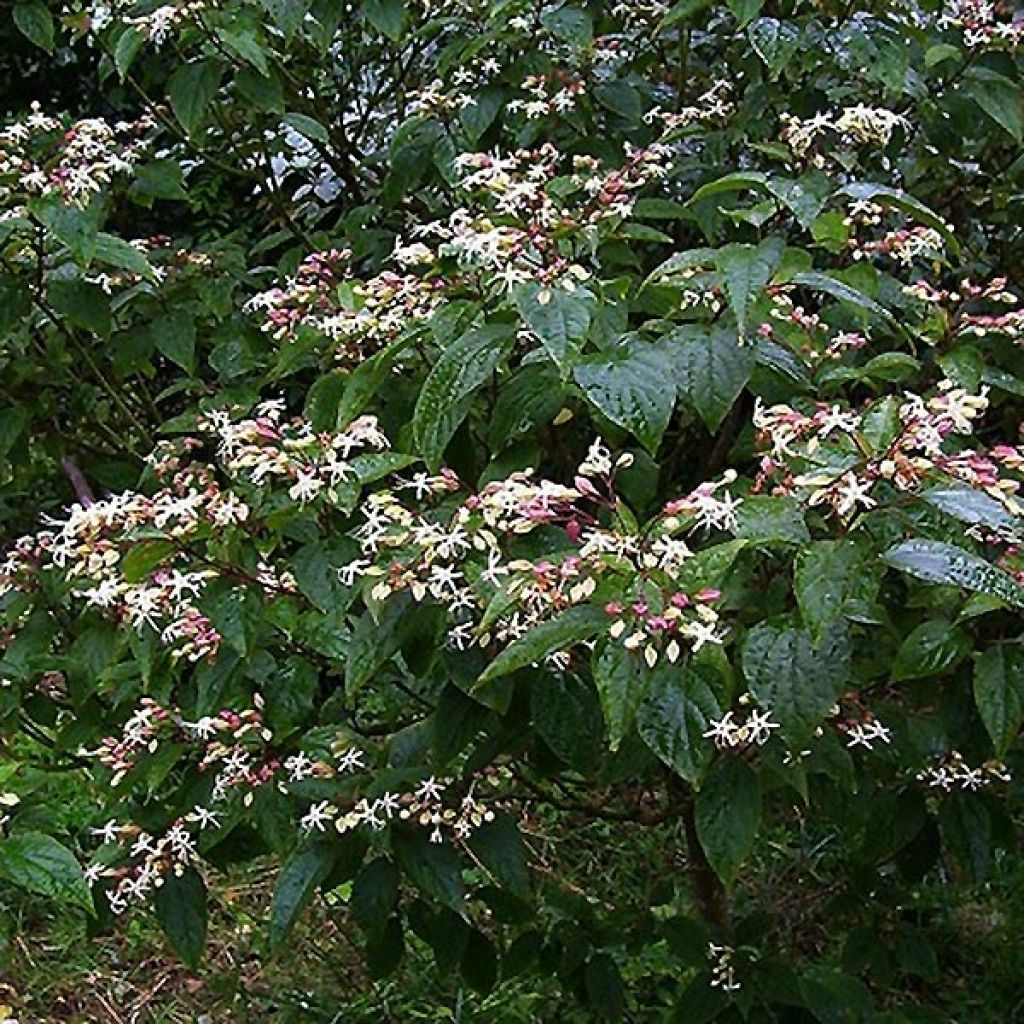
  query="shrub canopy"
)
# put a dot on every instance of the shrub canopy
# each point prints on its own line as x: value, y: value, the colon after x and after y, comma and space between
x: 489, y: 421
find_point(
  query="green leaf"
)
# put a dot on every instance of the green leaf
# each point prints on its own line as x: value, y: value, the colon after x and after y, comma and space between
x: 181, y: 910
x: 728, y: 815
x: 673, y: 717
x: 479, y: 964
x: 307, y: 867
x: 566, y: 713
x: 39, y: 864
x: 620, y: 680
x: 795, y: 679
x: 999, y: 693
x: 432, y: 867
x: 77, y: 229
x: 936, y: 562
x: 744, y: 10
x: 307, y: 126
x: 840, y: 290
x: 745, y: 270
x: 462, y: 368
x: 773, y: 41
x: 999, y: 97
x: 129, y: 43
x: 161, y: 179
x: 836, y: 998
x: 499, y: 846
x: 831, y: 582
x: 765, y: 519
x: 970, y: 506
x: 191, y: 90
x: 737, y: 181
x: 386, y: 16
x: 633, y: 387
x: 713, y: 369
x: 374, y: 894
x: 478, y: 116
x: 35, y: 23
x: 559, y: 318
x: 174, y: 335
x: 886, y: 195
x: 244, y: 45
x: 565, y: 630
x: 569, y: 23
x: 930, y: 650
x: 529, y: 400
x: 85, y: 305
x: 605, y: 991
x: 375, y: 641
x: 143, y: 557
x: 116, y: 252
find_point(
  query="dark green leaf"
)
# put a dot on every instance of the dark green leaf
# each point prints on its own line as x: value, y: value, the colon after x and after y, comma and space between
x: 728, y: 815
x: 930, y: 650
x: 633, y: 387
x: 794, y: 679
x: 39, y: 864
x: 999, y: 693
x: 307, y: 867
x: 673, y: 717
x: 937, y: 562
x: 181, y: 910
x: 713, y: 369
x: 191, y: 90
x: 462, y: 368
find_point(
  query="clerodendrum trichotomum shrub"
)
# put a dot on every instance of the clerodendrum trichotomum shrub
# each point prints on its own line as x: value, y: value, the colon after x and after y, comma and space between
x: 503, y: 430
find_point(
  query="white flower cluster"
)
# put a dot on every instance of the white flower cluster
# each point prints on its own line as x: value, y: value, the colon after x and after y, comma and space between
x: 728, y: 733
x: 42, y: 155
x: 857, y: 125
x: 465, y: 558
x: 953, y: 772
x: 723, y: 967
x: 919, y: 449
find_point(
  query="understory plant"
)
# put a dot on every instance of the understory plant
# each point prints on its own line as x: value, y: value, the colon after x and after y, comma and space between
x: 432, y: 427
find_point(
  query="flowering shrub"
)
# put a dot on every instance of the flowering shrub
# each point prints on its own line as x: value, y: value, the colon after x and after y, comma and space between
x: 433, y: 426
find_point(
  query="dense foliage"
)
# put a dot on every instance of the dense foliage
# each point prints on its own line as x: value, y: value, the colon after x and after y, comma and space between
x: 433, y: 428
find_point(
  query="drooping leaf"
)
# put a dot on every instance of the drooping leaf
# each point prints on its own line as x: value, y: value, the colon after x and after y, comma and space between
x: 181, y: 910
x: 937, y: 562
x: 673, y: 717
x: 620, y: 680
x: 633, y: 387
x: 570, y: 627
x: 999, y: 97
x: 191, y: 90
x: 795, y: 679
x: 831, y: 581
x: 433, y: 868
x: 728, y: 815
x: 35, y: 22
x: 499, y: 846
x: 559, y: 318
x: 745, y: 270
x: 39, y: 864
x: 999, y: 693
x: 462, y: 368
x: 713, y: 369
x: 307, y: 867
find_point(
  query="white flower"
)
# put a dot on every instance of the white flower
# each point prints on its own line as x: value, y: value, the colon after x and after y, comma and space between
x: 760, y: 726
x: 317, y: 817
x: 429, y: 790
x: 306, y: 487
